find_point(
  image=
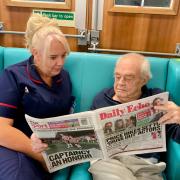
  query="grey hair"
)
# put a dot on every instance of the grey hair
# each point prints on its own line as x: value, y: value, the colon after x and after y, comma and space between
x: 146, y: 70
x: 145, y: 66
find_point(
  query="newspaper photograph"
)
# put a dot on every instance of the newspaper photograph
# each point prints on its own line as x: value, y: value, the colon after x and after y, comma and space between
x: 129, y: 128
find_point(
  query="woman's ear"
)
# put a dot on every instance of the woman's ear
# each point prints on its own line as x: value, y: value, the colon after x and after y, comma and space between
x: 36, y: 55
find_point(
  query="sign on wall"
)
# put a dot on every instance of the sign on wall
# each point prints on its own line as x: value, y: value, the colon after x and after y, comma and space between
x: 66, y: 19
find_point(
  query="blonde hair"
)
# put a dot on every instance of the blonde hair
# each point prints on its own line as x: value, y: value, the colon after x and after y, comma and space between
x: 39, y: 28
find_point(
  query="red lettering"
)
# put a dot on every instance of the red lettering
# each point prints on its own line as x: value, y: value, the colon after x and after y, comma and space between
x: 137, y: 107
x: 102, y: 116
x: 113, y: 113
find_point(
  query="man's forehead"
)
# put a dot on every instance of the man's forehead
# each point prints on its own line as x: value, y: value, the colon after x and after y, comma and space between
x: 130, y: 67
x: 125, y: 73
x: 130, y: 61
x: 129, y: 70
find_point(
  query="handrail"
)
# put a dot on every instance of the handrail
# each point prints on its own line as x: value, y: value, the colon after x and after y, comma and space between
x: 131, y: 51
x: 81, y: 35
x: 12, y: 32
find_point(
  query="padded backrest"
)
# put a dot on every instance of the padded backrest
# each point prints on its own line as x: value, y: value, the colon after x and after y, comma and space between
x: 1, y: 58
x: 159, y: 69
x: 14, y: 55
x: 92, y: 72
x: 173, y: 80
x: 73, y: 65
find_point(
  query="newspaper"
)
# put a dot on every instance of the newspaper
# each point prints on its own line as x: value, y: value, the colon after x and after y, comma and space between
x: 129, y: 128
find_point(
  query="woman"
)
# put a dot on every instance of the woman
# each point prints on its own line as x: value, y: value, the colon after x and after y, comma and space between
x: 39, y: 87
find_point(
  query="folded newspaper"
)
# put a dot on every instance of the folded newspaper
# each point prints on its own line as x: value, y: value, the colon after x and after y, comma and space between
x: 129, y: 128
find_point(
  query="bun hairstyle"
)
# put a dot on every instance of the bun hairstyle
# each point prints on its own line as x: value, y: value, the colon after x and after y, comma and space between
x: 39, y: 28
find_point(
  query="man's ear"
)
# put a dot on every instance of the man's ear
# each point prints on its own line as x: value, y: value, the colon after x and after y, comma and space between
x: 145, y: 80
x: 34, y: 51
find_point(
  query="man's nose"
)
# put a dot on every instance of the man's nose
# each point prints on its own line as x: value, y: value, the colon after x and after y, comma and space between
x: 121, y: 80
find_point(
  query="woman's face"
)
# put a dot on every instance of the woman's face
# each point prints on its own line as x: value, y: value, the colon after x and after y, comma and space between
x: 51, y: 58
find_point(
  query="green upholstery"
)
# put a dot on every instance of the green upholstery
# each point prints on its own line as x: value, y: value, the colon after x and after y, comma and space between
x: 90, y: 73
x: 79, y: 172
x: 173, y: 167
x: 1, y: 58
x: 173, y: 80
x: 87, y: 74
x: 62, y: 174
x: 14, y: 55
x: 159, y: 68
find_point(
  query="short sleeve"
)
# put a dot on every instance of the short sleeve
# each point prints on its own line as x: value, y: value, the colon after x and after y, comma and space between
x: 9, y: 95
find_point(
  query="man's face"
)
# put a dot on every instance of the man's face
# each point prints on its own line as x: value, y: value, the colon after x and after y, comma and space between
x: 128, y: 81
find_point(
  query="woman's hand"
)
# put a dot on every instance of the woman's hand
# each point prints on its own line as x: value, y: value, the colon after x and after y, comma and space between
x: 172, y: 113
x: 37, y: 145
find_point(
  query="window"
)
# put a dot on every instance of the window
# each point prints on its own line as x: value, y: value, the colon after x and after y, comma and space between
x: 145, y: 6
x: 56, y: 4
x: 144, y: 3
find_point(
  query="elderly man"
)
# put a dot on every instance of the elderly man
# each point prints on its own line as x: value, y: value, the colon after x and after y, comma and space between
x: 132, y: 72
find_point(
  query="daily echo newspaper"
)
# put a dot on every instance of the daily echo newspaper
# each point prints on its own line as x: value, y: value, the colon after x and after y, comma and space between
x: 129, y: 128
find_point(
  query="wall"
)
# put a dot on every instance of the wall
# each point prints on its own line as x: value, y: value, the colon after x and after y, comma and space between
x: 15, y: 19
x: 144, y: 32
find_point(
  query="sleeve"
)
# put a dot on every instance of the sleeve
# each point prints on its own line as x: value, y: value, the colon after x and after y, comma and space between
x: 98, y: 101
x: 92, y: 106
x: 9, y: 96
x: 102, y: 99
x: 173, y: 131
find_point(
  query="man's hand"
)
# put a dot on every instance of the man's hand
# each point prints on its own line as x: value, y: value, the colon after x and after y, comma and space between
x: 172, y: 113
